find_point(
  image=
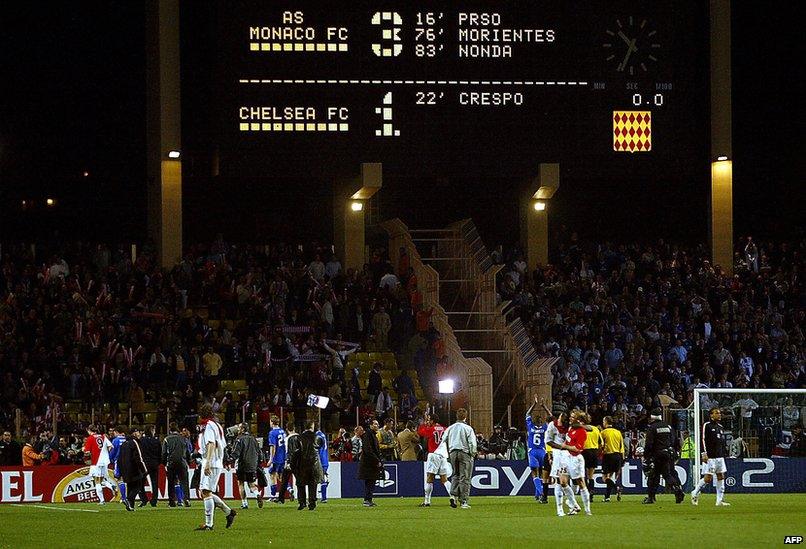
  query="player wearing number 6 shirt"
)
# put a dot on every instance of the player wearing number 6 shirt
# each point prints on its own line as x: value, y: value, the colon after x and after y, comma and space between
x: 211, y: 445
x: 555, y: 439
x: 536, y: 440
x: 98, y: 446
x: 437, y: 460
x: 713, y: 459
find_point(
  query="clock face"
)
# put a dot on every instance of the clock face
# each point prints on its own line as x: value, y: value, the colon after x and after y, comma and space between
x: 631, y: 46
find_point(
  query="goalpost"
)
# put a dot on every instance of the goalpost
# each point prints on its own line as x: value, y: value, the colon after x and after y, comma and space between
x: 757, y: 422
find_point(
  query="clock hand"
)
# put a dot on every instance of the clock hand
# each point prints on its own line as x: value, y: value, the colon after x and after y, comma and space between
x: 624, y: 37
x: 631, y: 49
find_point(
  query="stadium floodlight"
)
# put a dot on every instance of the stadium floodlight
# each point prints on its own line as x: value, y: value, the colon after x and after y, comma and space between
x: 50, y: 202
x: 356, y: 206
x: 446, y: 386
x: 540, y: 206
x: 174, y: 154
x: 721, y: 158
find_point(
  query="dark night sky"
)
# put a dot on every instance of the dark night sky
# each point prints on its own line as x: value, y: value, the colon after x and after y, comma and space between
x: 72, y: 99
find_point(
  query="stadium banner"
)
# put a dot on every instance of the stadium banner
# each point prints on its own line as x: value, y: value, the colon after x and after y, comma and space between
x: 72, y: 484
x: 510, y: 478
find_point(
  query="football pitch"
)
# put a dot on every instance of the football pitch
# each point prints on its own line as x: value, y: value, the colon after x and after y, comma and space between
x: 761, y: 520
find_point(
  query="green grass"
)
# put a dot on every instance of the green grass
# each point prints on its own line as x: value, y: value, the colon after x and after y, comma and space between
x: 752, y: 521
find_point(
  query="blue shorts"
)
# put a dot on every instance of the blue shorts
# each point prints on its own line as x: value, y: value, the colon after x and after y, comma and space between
x: 276, y: 468
x: 117, y: 471
x: 537, y: 458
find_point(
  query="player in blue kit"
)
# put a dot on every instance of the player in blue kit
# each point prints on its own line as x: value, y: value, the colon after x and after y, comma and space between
x: 536, y: 441
x: 323, y: 459
x: 120, y: 438
x: 276, y: 440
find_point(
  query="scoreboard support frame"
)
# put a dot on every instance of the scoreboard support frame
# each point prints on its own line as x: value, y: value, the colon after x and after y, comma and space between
x: 164, y: 130
x: 721, y: 218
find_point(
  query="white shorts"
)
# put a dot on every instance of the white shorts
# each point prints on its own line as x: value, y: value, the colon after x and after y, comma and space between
x: 98, y: 471
x: 438, y: 465
x: 714, y: 466
x: 575, y: 465
x: 210, y: 482
x: 558, y: 458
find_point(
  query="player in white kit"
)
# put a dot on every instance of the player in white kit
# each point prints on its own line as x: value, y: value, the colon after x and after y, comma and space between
x: 555, y: 437
x: 437, y: 464
x: 211, y: 444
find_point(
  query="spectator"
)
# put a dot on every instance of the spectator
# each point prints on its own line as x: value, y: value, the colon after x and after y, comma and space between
x: 356, y: 442
x: 381, y: 323
x: 387, y: 441
x: 10, y: 451
x: 383, y: 404
x: 375, y: 382
x: 408, y: 442
x: 31, y: 457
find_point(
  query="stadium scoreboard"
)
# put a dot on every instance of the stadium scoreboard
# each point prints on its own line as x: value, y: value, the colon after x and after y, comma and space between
x: 458, y: 83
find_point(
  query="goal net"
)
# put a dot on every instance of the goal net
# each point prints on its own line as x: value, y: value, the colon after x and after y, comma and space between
x: 763, y: 435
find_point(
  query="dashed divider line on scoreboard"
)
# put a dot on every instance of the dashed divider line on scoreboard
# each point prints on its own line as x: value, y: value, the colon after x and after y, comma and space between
x: 418, y: 82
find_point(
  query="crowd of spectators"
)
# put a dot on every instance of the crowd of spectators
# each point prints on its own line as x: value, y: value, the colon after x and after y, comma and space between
x: 639, y: 326
x: 87, y: 323
x: 633, y: 326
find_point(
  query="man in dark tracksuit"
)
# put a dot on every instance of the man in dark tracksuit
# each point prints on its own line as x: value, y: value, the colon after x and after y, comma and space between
x: 176, y: 456
x: 132, y: 469
x: 304, y: 459
x: 246, y: 454
x: 152, y: 452
x: 660, y: 458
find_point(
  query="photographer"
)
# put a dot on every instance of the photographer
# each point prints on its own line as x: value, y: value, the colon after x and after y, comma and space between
x: 498, y: 444
x: 64, y: 454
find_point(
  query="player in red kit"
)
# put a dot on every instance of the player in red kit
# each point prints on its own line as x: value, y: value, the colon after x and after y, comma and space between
x: 436, y: 463
x: 432, y: 432
x: 98, y: 446
x: 575, y: 463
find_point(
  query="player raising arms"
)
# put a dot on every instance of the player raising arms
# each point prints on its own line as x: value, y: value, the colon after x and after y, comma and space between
x: 437, y: 460
x: 536, y: 440
x: 713, y: 459
x: 98, y: 446
x: 277, y: 438
x: 555, y: 438
x: 575, y: 463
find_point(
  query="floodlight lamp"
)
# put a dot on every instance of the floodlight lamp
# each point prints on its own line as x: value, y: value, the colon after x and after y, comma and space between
x: 446, y: 386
